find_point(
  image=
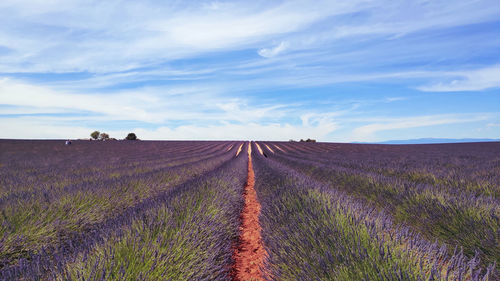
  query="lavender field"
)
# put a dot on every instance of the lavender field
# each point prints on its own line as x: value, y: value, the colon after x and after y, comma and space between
x: 171, y: 210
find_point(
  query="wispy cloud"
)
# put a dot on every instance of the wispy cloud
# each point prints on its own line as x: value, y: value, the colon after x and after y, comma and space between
x: 116, y: 106
x: 473, y: 80
x: 271, y: 52
x: 85, y: 36
x: 30, y: 127
x: 367, y: 132
x: 151, y: 105
x: 393, y: 99
x: 250, y: 131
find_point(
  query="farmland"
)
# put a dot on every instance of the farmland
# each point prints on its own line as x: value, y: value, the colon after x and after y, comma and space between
x: 191, y: 210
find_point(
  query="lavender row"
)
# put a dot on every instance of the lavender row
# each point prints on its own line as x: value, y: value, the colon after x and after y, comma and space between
x: 28, y: 229
x: 107, y: 178
x: 189, y: 235
x: 454, y: 216
x: 314, y: 232
x: 472, y: 167
x: 54, y: 165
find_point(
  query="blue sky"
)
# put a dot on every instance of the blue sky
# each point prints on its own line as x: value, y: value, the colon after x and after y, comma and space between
x: 359, y: 70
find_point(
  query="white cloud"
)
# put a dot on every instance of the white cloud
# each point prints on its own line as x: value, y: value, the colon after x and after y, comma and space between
x: 35, y: 128
x: 473, y: 80
x: 125, y: 106
x: 116, y: 35
x: 239, y: 110
x: 397, y: 18
x: 151, y: 105
x: 103, y: 36
x: 271, y: 52
x: 250, y: 131
x: 393, y: 99
x: 27, y: 128
x: 215, y: 5
x: 205, y: 115
x: 367, y: 132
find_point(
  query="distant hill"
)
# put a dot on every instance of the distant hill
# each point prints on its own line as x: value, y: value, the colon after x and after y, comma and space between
x: 434, y: 140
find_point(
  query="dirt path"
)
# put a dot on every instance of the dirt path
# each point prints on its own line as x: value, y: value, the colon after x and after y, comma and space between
x: 269, y: 148
x: 279, y: 148
x: 260, y: 149
x: 250, y: 254
x: 239, y: 150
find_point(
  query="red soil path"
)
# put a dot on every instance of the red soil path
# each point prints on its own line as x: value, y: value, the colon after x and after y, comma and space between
x: 260, y: 149
x: 279, y: 148
x: 250, y: 255
x: 239, y: 150
x: 269, y: 148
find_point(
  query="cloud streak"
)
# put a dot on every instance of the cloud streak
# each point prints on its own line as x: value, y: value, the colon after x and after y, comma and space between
x: 367, y: 132
x: 26, y: 128
x: 474, y: 80
x: 66, y: 36
x: 150, y: 105
x: 269, y: 53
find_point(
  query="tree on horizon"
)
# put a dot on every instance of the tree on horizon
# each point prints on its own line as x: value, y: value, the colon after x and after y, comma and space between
x: 131, y: 136
x: 95, y: 134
